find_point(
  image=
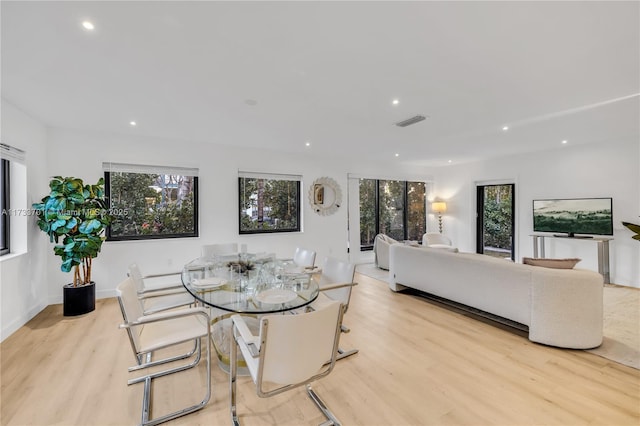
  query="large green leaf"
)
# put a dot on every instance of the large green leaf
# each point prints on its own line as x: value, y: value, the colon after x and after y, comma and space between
x: 67, y: 265
x: 73, y: 184
x: 635, y: 228
x: 91, y: 213
x: 56, y: 183
x: 55, y: 204
x: 89, y: 226
x: 44, y: 226
x: 77, y: 198
x: 632, y: 226
x: 57, y: 224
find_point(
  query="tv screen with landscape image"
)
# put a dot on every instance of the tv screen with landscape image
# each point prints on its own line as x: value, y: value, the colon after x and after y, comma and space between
x: 585, y: 216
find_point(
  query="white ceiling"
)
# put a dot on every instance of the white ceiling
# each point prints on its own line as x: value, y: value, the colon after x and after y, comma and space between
x: 326, y: 72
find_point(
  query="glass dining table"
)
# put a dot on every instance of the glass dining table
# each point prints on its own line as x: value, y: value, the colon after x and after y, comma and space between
x: 248, y: 284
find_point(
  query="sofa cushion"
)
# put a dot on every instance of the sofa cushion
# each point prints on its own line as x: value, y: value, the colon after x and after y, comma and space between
x: 551, y: 263
x: 444, y: 247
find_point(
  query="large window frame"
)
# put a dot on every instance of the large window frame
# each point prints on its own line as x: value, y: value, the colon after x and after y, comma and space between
x: 169, y: 210
x: 5, y: 197
x: 252, y: 190
x: 406, y: 209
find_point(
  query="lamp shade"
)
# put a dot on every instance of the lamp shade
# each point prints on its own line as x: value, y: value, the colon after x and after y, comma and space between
x: 439, y: 207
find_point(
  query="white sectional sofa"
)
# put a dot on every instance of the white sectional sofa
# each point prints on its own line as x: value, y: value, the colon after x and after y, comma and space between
x: 561, y: 307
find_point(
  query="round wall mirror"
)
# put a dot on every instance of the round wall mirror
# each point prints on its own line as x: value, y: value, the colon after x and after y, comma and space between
x: 325, y: 196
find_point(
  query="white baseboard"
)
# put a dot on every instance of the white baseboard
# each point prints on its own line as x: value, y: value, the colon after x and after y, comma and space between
x: 13, y: 326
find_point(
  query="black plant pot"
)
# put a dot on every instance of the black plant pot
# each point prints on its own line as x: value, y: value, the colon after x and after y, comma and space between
x: 78, y: 300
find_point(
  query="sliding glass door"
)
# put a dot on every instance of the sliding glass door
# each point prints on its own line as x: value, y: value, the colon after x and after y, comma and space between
x: 392, y: 207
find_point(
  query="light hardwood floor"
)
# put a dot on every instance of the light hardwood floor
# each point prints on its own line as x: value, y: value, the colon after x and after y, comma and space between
x: 419, y: 364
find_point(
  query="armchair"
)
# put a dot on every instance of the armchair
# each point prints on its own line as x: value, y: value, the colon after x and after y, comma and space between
x: 290, y: 351
x: 381, y: 250
x: 150, y: 333
x: 437, y: 240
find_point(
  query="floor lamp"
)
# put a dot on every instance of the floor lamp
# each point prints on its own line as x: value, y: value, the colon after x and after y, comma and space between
x: 439, y: 207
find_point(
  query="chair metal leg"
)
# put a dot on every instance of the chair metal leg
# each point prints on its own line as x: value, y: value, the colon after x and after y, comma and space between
x: 343, y: 354
x: 233, y: 373
x: 146, y: 399
x: 171, y: 370
x: 331, y: 418
x: 148, y: 363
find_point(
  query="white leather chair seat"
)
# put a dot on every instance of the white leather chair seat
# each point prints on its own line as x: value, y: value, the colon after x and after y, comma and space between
x: 157, y: 335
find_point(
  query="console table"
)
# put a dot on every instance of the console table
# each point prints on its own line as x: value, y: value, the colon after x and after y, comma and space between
x: 603, y: 250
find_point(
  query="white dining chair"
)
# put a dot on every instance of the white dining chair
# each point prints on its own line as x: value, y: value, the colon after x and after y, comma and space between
x: 159, y: 297
x: 304, y: 258
x: 151, y: 333
x: 289, y: 351
x: 210, y: 250
x: 336, y: 283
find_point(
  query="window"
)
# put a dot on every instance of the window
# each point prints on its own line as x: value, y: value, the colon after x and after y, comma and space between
x: 4, y: 206
x: 392, y: 207
x: 151, y: 202
x: 269, y: 203
x: 14, y: 213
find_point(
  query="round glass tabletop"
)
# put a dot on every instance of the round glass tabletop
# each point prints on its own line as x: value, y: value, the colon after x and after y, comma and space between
x: 248, y: 284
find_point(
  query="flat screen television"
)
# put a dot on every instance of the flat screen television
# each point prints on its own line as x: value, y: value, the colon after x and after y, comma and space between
x: 574, y: 217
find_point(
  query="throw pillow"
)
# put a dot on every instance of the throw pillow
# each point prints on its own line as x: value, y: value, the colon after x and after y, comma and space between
x: 551, y: 263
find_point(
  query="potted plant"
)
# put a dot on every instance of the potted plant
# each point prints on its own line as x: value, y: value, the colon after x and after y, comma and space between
x: 76, y: 215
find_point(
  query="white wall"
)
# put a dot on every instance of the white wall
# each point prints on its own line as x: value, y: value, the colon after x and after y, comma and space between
x: 218, y: 198
x: 609, y: 169
x: 24, y: 283
x: 31, y: 281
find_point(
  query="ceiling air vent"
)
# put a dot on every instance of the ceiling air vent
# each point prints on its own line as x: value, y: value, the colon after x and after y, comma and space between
x: 410, y: 121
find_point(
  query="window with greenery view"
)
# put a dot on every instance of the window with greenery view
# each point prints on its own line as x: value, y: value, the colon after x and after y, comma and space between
x: 153, y: 204
x: 4, y: 207
x: 392, y: 207
x: 269, y: 203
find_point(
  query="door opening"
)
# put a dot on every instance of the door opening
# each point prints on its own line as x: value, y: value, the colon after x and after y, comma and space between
x: 495, y: 220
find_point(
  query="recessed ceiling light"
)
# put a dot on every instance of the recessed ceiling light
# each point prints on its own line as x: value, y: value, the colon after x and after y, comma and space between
x: 505, y: 128
x: 308, y: 143
x: 397, y: 155
x: 564, y: 141
x: 88, y: 25
x: 133, y: 124
x: 395, y: 102
x: 449, y: 161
